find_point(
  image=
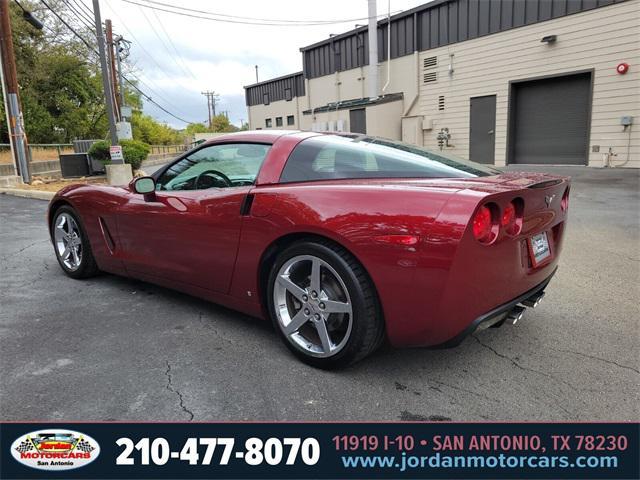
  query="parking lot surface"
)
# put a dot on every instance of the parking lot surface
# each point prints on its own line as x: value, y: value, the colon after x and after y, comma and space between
x: 110, y: 348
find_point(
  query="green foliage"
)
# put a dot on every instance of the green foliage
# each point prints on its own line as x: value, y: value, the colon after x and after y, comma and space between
x: 60, y: 90
x: 133, y: 151
x: 150, y: 131
x: 60, y: 83
x: 220, y: 123
x: 100, y: 151
x: 193, y: 128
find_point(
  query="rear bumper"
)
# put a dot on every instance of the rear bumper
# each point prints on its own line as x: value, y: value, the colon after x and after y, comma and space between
x: 495, y: 315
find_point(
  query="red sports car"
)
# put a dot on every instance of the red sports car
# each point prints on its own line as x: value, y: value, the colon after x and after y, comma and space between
x: 342, y: 240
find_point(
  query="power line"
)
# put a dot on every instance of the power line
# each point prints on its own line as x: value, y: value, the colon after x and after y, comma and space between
x: 172, y: 44
x: 92, y: 49
x: 156, y: 104
x: 69, y: 27
x: 164, y: 44
x: 289, y: 23
x: 139, y: 43
x: 80, y: 15
x: 137, y: 78
x: 254, y: 19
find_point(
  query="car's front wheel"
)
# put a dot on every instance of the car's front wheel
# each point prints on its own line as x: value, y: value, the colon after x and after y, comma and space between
x: 323, y: 305
x: 71, y: 244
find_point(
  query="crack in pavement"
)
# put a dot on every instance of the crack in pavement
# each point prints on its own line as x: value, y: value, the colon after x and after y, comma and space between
x: 209, y: 325
x: 18, y: 252
x: 177, y: 392
x: 604, y: 360
x: 527, y: 369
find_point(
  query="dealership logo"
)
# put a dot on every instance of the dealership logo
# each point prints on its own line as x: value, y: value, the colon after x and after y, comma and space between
x: 55, y: 449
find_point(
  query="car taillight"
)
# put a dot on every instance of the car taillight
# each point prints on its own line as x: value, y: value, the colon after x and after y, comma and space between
x: 484, y: 228
x: 511, y: 219
x: 508, y: 216
x: 564, y: 203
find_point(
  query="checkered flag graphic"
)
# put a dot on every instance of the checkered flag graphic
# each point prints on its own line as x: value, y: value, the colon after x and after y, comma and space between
x: 24, y: 446
x: 84, y: 446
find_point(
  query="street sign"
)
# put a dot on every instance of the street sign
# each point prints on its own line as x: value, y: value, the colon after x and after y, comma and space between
x: 115, y: 152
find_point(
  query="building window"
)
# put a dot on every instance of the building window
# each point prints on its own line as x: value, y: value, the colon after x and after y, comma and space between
x: 287, y: 94
x: 291, y: 120
x: 278, y: 121
x: 267, y: 122
x: 265, y: 98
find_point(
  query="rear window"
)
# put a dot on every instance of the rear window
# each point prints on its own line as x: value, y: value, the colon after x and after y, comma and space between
x: 341, y: 157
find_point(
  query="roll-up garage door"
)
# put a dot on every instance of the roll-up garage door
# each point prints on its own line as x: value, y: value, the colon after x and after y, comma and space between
x: 550, y: 123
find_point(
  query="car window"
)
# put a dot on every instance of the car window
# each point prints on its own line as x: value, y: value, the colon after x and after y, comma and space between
x: 340, y: 157
x: 215, y: 166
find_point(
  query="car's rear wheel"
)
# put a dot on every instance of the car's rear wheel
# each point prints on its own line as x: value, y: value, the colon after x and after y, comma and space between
x: 71, y: 244
x: 323, y: 305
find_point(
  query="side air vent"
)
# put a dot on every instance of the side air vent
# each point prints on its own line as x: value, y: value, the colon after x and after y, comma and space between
x: 429, y: 77
x: 106, y: 234
x: 430, y: 62
x: 441, y: 102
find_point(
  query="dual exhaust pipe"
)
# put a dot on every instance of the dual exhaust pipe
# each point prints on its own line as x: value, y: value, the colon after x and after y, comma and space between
x: 517, y: 312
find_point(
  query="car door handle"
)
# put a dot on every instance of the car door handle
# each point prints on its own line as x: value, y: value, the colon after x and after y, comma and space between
x: 490, y: 132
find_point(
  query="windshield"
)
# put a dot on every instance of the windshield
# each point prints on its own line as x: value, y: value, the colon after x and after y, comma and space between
x: 341, y: 157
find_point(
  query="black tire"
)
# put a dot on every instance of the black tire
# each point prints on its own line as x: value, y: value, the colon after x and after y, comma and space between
x: 88, y: 266
x: 367, y: 330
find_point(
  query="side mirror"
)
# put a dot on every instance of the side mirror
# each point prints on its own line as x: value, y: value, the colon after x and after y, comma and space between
x: 145, y: 186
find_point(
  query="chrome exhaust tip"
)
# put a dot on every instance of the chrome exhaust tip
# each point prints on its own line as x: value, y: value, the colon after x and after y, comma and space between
x: 534, y: 300
x: 515, y: 315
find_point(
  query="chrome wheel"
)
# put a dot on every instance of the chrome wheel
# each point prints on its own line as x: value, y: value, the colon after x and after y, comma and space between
x: 68, y: 241
x: 312, y: 306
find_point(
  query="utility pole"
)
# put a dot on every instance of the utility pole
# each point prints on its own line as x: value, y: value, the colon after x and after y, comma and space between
x: 206, y: 94
x: 122, y: 52
x: 106, y: 82
x: 119, y: 39
x: 112, y: 65
x: 17, y: 135
x: 211, y: 103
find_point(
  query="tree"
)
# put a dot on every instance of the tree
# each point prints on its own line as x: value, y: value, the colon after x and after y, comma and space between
x: 220, y: 123
x: 60, y: 83
x: 59, y: 86
x: 193, y: 128
x: 149, y: 130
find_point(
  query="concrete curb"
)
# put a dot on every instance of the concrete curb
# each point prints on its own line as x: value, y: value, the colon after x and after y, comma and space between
x: 19, y: 192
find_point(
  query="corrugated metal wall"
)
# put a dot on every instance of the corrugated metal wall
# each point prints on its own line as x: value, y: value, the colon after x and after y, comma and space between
x: 276, y: 89
x: 434, y: 25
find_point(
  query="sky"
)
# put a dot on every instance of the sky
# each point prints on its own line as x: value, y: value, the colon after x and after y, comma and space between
x: 178, y: 57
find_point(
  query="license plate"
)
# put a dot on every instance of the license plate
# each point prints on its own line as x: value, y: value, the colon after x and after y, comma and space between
x: 540, y: 251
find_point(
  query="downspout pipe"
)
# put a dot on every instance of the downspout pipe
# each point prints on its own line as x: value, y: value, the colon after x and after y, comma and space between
x: 384, y: 89
x: 373, y: 51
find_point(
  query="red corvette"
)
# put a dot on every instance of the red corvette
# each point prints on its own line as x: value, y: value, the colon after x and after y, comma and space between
x: 342, y: 240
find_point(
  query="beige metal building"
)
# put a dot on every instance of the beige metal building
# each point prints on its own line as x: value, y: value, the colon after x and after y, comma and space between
x: 495, y: 81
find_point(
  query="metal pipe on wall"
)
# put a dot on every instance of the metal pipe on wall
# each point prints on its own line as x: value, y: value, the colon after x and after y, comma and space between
x: 386, y: 85
x: 372, y: 81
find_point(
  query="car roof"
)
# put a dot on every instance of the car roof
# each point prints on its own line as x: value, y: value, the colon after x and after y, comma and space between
x: 259, y: 136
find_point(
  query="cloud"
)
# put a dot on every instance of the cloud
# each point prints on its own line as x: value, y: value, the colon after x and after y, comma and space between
x: 221, y: 56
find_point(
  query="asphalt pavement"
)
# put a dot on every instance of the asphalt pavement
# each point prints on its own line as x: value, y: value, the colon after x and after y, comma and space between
x: 110, y: 348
